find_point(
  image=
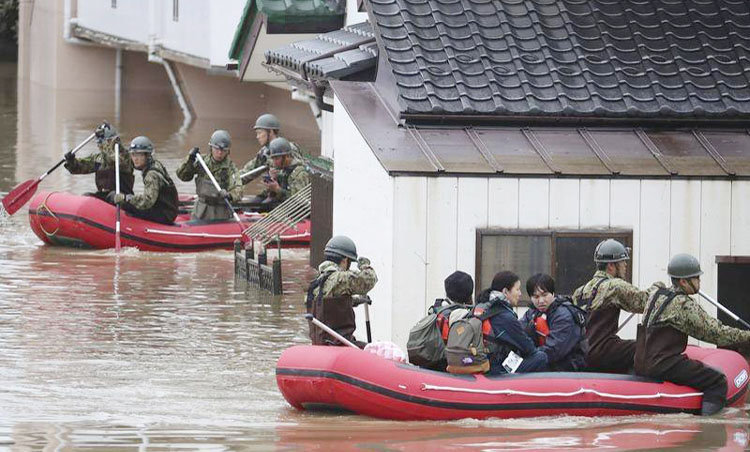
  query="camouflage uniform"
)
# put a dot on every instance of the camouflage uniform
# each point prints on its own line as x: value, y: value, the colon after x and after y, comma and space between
x: 158, y: 202
x: 210, y: 205
x: 603, y: 297
x: 103, y: 164
x: 671, y: 316
x: 264, y: 158
x: 329, y: 298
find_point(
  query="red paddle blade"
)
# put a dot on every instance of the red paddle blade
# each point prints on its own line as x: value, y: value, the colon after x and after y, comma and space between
x: 19, y: 196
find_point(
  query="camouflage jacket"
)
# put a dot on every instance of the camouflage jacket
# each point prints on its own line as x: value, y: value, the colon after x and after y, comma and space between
x: 102, y: 160
x: 291, y: 180
x: 687, y: 316
x: 264, y: 158
x: 225, y: 172
x: 155, y: 178
x: 612, y: 291
x: 347, y: 282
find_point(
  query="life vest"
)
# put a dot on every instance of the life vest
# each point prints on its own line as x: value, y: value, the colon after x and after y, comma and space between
x: 542, y: 329
x: 167, y: 202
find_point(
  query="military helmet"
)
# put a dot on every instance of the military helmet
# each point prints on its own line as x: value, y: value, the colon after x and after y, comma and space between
x: 105, y: 132
x: 610, y: 250
x: 141, y: 144
x: 684, y: 266
x: 280, y: 146
x: 267, y: 121
x: 220, y: 139
x: 343, y: 246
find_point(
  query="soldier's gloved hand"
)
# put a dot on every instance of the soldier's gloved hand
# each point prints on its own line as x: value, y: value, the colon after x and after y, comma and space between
x: 69, y: 157
x: 193, y: 152
x: 363, y: 262
x: 224, y: 194
x: 111, y: 197
x: 100, y: 129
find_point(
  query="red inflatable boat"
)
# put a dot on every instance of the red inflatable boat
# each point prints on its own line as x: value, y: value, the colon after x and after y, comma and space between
x: 88, y: 222
x: 312, y: 377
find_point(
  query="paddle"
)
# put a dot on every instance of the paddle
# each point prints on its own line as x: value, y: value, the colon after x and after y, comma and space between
x: 330, y: 331
x: 252, y: 174
x: 117, y: 192
x: 726, y: 311
x: 367, y: 301
x: 218, y: 188
x: 20, y: 195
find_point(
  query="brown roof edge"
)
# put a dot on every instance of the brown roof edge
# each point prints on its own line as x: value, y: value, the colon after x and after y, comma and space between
x: 733, y: 259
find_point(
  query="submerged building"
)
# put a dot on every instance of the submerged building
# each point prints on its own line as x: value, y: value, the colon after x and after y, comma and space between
x: 483, y: 136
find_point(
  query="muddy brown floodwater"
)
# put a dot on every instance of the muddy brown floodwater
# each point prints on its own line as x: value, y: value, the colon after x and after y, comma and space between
x: 151, y: 351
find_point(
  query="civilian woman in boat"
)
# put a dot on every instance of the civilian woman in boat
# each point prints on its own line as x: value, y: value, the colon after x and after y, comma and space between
x: 512, y: 342
x: 555, y: 325
x: 158, y: 202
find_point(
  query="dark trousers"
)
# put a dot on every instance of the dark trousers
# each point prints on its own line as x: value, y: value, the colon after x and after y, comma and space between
x: 695, y: 374
x: 614, y: 356
x: 155, y: 215
x: 535, y: 362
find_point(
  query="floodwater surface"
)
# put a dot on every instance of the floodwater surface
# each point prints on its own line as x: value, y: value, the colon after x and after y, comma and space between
x: 152, y: 351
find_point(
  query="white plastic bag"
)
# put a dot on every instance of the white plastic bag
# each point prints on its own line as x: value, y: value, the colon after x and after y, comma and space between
x: 387, y: 350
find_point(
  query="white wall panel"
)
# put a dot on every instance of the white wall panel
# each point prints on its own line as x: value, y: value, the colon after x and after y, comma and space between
x: 685, y: 217
x: 409, y: 252
x: 502, y: 203
x: 594, y: 208
x: 442, y: 224
x: 128, y: 20
x: 716, y: 220
x: 533, y: 203
x: 564, y: 197
x: 625, y: 213
x: 472, y: 214
x: 363, y: 210
x: 740, y: 237
x: 654, y: 228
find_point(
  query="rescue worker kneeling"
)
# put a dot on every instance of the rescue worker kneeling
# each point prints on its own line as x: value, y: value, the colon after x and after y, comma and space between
x: 329, y: 297
x: 158, y: 202
x: 671, y: 316
x: 507, y: 347
x: 555, y: 325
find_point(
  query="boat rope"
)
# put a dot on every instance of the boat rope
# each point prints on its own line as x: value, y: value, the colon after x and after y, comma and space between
x: 42, y: 207
x: 193, y: 234
x: 658, y: 395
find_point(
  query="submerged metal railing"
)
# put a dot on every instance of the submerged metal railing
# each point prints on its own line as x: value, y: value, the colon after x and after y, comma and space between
x: 255, y: 270
x: 285, y: 216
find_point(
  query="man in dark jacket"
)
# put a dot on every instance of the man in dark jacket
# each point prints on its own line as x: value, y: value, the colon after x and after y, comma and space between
x: 555, y: 325
x: 509, y: 342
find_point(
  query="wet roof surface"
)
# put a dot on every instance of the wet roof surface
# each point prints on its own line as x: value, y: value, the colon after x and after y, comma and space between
x: 568, y: 58
x: 330, y: 55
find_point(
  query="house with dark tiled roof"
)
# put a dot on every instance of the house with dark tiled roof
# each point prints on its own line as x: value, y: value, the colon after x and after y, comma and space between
x: 516, y: 134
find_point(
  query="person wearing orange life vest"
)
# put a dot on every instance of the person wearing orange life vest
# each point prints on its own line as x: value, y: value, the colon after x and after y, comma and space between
x: 507, y: 339
x: 555, y: 325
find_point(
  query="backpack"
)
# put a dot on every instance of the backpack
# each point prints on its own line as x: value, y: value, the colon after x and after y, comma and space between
x: 579, y: 315
x: 426, y: 344
x: 467, y: 351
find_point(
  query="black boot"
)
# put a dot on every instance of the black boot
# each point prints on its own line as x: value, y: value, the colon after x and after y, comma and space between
x: 710, y: 408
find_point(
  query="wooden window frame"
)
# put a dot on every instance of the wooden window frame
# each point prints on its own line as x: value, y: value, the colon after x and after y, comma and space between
x: 624, y: 236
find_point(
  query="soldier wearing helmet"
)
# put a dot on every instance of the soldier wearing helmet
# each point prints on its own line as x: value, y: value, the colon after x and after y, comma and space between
x: 267, y: 128
x: 603, y: 298
x: 329, y: 296
x: 287, y: 177
x: 102, y: 163
x: 210, y: 204
x: 671, y: 315
x: 158, y: 202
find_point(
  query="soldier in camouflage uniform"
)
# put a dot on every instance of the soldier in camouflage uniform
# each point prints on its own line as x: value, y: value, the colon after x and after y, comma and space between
x: 159, y: 199
x: 603, y: 297
x: 287, y: 177
x: 102, y: 163
x: 266, y: 130
x: 329, y: 297
x: 671, y: 316
x: 210, y: 205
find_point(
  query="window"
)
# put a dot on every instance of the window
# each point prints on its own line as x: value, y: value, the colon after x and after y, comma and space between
x: 175, y: 10
x: 734, y: 272
x: 566, y: 255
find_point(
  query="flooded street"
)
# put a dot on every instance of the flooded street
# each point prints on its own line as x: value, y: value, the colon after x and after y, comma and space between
x: 153, y: 351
